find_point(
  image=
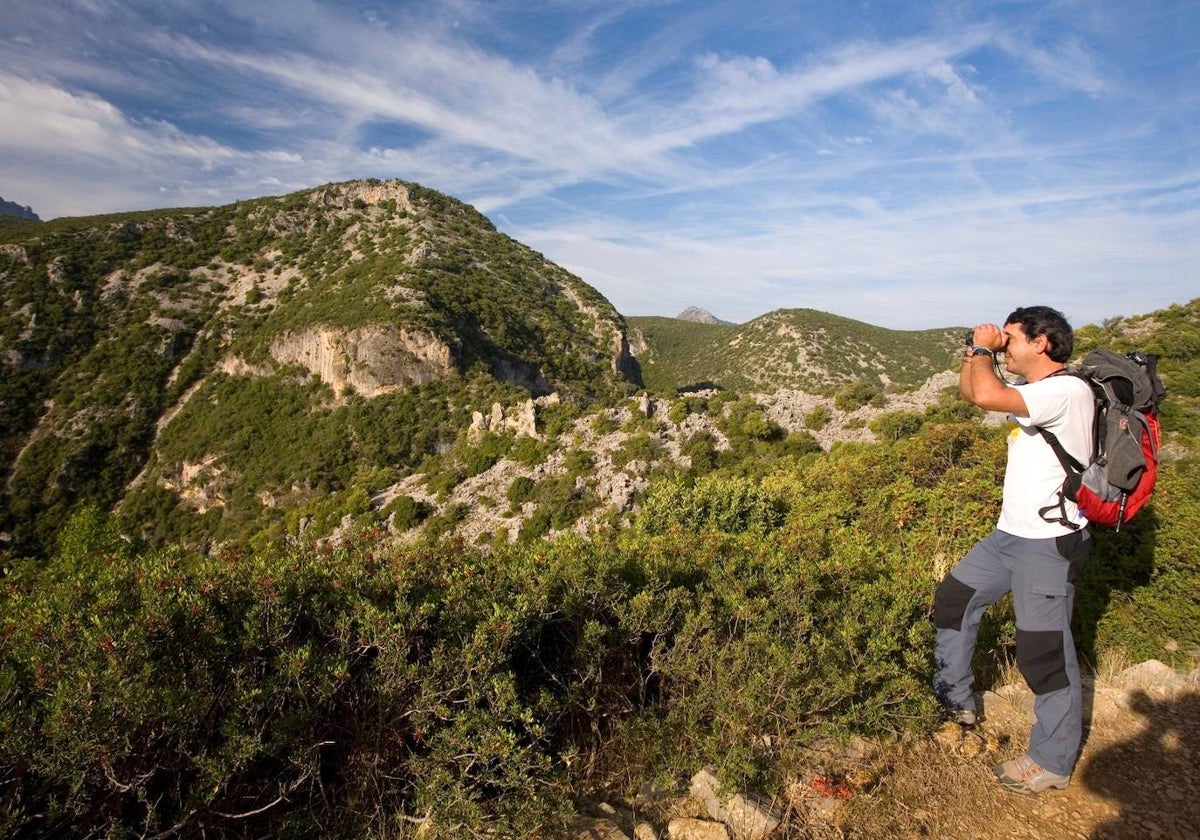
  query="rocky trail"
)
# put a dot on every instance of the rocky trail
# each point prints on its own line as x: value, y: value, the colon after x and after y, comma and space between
x: 1137, y: 778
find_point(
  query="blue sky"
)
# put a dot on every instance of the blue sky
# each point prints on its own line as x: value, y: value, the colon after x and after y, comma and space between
x: 911, y: 165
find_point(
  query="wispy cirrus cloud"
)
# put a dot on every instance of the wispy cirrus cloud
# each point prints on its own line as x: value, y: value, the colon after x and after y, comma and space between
x: 712, y: 153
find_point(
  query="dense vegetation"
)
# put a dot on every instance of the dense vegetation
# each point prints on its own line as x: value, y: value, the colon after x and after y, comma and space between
x: 342, y: 689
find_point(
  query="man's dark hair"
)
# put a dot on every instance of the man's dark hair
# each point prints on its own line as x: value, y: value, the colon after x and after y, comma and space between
x: 1042, y: 320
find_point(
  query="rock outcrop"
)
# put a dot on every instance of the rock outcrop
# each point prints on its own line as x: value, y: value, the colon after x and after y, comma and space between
x: 373, y: 360
x: 11, y: 208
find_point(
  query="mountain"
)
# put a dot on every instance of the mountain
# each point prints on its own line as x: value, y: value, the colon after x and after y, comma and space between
x: 800, y: 349
x: 260, y: 354
x: 10, y: 210
x: 703, y: 316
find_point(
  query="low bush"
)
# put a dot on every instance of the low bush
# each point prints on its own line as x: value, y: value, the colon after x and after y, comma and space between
x: 701, y: 450
x: 406, y: 512
x: 730, y: 505
x: 349, y: 690
x: 327, y: 691
x: 818, y: 418
x: 530, y: 451
x: 520, y: 491
x: 637, y: 447
x: 341, y: 690
x: 857, y: 394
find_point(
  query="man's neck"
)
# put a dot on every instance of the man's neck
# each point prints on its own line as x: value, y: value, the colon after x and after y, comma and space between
x: 1049, y: 368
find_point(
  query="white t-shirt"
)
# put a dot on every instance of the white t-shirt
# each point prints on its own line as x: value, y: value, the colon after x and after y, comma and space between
x: 1064, y: 406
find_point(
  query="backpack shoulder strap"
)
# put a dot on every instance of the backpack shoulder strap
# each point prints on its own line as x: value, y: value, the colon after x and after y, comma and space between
x: 1069, y: 463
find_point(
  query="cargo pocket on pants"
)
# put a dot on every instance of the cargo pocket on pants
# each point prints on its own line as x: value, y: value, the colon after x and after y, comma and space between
x: 1041, y: 657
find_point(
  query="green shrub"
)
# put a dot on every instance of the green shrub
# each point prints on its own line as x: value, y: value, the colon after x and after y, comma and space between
x: 639, y: 423
x: 537, y: 524
x: 604, y: 424
x: 638, y: 447
x: 857, y: 394
x: 745, y: 420
x: 678, y: 411
x: 555, y: 419
x: 443, y: 475
x: 897, y: 424
x: 406, y: 512
x: 320, y: 692
x: 579, y: 462
x: 530, y: 451
x: 348, y: 689
x: 520, y: 491
x: 1138, y: 591
x: 774, y: 638
x: 798, y: 444
x: 701, y: 448
x: 732, y: 505
x: 443, y: 523
x: 818, y: 418
x: 484, y: 453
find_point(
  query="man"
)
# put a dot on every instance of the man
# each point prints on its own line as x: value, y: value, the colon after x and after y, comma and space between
x: 1032, y: 553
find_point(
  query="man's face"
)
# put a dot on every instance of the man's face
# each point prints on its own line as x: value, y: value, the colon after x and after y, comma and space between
x: 1019, y: 351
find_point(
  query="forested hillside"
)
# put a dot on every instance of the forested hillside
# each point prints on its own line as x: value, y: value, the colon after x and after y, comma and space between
x: 250, y: 358
x: 788, y: 348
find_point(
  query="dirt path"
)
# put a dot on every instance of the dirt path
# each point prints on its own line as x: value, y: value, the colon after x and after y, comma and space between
x: 1138, y: 775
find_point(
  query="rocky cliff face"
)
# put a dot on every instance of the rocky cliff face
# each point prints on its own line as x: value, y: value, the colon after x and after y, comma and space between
x: 372, y: 360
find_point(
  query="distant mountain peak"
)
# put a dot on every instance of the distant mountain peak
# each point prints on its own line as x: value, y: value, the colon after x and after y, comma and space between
x: 11, y: 208
x: 703, y: 316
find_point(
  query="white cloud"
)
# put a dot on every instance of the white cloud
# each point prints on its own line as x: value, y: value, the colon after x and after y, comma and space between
x: 895, y: 272
x: 1068, y: 64
x: 103, y: 160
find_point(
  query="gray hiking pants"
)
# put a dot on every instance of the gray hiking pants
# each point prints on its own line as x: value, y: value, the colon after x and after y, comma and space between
x: 1041, y: 576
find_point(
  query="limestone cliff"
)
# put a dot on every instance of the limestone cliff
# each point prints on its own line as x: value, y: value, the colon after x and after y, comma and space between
x: 374, y: 359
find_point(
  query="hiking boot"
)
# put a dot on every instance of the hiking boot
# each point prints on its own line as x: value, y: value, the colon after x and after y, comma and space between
x: 1024, y: 775
x: 965, y: 718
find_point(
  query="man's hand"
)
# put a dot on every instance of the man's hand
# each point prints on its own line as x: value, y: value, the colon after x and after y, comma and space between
x: 978, y: 382
x: 991, y: 337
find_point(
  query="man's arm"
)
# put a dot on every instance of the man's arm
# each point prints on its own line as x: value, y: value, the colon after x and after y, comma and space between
x: 979, y: 384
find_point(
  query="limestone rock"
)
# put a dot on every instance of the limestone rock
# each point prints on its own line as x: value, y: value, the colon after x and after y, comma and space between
x: 373, y: 360
x: 1154, y: 677
x: 689, y: 828
x: 748, y: 817
x: 597, y: 828
x: 644, y: 831
x: 701, y: 316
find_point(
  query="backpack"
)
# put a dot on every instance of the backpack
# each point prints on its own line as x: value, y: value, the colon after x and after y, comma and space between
x: 1126, y: 436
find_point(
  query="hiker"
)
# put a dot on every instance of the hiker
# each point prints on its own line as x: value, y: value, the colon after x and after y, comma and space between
x: 1036, y: 559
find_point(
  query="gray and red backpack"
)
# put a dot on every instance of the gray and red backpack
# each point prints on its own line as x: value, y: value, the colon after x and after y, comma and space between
x: 1121, y: 475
